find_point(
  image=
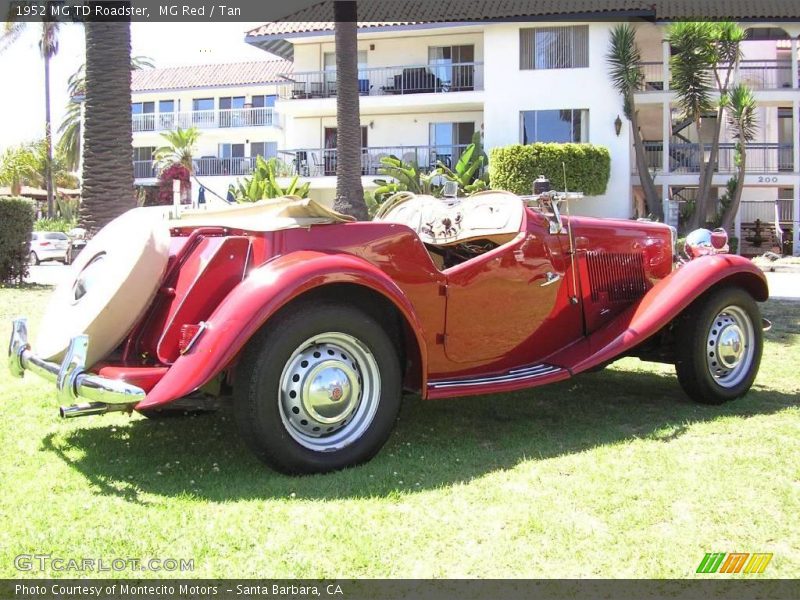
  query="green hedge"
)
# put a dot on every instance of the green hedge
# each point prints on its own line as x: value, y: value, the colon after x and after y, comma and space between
x: 513, y: 168
x: 16, y: 224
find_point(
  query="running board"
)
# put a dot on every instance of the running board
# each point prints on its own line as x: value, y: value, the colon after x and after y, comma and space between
x: 512, y: 379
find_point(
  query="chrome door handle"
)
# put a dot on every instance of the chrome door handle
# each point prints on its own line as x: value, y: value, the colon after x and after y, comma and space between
x: 550, y: 278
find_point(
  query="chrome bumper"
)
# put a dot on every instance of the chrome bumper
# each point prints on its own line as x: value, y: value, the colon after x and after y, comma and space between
x: 71, y: 379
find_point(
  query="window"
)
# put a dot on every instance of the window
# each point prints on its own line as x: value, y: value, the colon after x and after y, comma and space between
x: 264, y: 101
x: 453, y: 65
x: 567, y: 125
x: 203, y: 104
x: 329, y: 64
x: 554, y: 47
x: 262, y: 113
x: 166, y: 114
x: 231, y: 150
x: 448, y: 140
x: 143, y: 117
x: 265, y: 149
x: 143, y: 161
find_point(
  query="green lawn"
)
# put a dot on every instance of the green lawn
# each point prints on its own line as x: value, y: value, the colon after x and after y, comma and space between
x: 613, y: 474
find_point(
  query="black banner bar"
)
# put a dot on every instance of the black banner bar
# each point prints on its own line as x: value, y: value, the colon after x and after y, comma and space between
x: 395, y: 11
x: 729, y: 588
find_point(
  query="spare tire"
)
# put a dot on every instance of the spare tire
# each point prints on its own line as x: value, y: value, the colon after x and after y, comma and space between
x: 109, y: 286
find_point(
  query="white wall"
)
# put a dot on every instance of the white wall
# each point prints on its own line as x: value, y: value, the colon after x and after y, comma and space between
x: 510, y: 90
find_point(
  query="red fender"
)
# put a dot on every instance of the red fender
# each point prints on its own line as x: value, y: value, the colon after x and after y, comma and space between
x: 665, y: 301
x: 250, y: 304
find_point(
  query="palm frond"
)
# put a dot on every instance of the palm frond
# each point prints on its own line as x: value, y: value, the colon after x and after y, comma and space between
x: 624, y: 59
x: 741, y: 113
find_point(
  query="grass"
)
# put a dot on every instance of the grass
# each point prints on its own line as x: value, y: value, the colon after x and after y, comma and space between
x: 613, y: 474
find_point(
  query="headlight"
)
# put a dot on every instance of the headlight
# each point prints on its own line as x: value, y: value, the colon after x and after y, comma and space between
x: 702, y: 242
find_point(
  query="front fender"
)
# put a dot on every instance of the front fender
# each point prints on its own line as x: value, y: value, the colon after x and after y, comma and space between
x: 663, y: 303
x: 260, y: 295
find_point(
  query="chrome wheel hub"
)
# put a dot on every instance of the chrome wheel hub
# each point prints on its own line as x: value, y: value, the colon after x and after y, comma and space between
x: 730, y: 346
x: 329, y: 391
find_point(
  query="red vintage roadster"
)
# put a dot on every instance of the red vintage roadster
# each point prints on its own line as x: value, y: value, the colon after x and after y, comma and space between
x: 317, y: 324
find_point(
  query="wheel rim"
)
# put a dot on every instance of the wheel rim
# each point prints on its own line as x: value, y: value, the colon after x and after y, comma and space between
x: 730, y: 346
x: 329, y: 391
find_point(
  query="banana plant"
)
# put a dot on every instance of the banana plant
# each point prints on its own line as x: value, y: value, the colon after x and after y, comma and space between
x: 468, y: 172
x: 406, y: 177
x: 264, y: 184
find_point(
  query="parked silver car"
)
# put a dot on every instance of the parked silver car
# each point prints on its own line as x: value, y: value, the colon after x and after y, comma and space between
x: 48, y: 245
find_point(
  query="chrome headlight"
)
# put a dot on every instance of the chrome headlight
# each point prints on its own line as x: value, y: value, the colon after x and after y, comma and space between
x: 702, y: 242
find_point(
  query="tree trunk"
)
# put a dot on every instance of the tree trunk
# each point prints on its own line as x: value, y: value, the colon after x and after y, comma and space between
x: 651, y: 199
x: 700, y: 206
x: 48, y: 140
x: 108, y: 143
x: 704, y: 189
x: 729, y: 217
x: 349, y: 191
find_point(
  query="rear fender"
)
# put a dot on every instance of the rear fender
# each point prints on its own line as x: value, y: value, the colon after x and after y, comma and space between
x: 259, y: 296
x: 661, y: 305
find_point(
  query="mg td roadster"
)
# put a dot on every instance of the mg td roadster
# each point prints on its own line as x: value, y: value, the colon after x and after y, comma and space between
x: 314, y: 325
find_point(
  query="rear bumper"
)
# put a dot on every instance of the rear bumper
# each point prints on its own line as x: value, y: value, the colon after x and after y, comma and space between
x: 71, y: 379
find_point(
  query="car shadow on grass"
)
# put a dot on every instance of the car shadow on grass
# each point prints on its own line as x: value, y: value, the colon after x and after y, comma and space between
x: 435, y: 443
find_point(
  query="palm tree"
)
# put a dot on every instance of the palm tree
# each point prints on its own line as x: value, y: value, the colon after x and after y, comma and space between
x: 627, y: 76
x: 108, y: 140
x: 349, y: 191
x: 69, y: 142
x: 180, y: 148
x: 703, y: 61
x: 18, y: 166
x: 48, y: 47
x: 741, y: 113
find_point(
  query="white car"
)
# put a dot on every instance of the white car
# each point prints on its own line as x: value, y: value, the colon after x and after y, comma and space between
x: 48, y: 245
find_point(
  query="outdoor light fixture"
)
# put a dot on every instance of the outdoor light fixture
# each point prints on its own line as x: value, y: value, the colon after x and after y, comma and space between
x: 617, y: 125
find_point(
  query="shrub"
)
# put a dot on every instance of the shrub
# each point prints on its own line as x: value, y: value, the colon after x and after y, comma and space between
x: 58, y: 224
x: 16, y: 224
x: 513, y: 168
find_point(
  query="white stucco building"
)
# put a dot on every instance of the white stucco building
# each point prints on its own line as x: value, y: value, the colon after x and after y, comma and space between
x: 427, y: 87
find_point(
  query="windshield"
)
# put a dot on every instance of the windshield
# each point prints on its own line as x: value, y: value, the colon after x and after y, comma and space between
x: 57, y: 235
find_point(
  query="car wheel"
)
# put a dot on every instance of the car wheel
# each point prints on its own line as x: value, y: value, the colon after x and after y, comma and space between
x: 33, y: 259
x: 318, y: 390
x: 718, y: 345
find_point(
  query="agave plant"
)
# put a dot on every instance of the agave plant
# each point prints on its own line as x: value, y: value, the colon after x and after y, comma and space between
x: 468, y: 172
x: 264, y: 184
x: 407, y: 177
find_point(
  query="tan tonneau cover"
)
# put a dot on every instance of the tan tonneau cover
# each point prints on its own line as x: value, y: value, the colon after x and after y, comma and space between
x: 274, y: 214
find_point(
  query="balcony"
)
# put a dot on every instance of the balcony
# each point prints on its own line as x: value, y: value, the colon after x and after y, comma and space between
x: 388, y: 81
x: 757, y: 74
x: 321, y: 162
x: 204, y: 166
x: 685, y: 158
x: 765, y: 211
x: 206, y: 119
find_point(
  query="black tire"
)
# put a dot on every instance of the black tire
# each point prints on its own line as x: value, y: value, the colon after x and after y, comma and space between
x: 261, y: 407
x: 695, y: 340
x: 33, y: 259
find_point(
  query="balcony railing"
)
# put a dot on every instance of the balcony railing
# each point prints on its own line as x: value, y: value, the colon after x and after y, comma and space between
x: 750, y: 210
x: 758, y: 74
x: 206, y: 119
x: 205, y: 166
x: 384, y: 81
x: 320, y: 162
x: 685, y: 158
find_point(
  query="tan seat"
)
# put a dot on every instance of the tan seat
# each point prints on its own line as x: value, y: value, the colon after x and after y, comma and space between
x: 492, y: 215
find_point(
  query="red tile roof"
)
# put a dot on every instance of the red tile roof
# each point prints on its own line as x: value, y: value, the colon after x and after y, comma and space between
x: 220, y: 75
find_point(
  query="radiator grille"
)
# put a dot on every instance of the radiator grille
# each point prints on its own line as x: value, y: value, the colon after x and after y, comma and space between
x: 619, y: 275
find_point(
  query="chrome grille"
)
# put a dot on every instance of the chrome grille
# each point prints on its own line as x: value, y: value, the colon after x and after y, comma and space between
x: 619, y: 276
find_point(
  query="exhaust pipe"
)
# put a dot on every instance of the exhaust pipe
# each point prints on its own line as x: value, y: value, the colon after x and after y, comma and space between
x: 93, y: 408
